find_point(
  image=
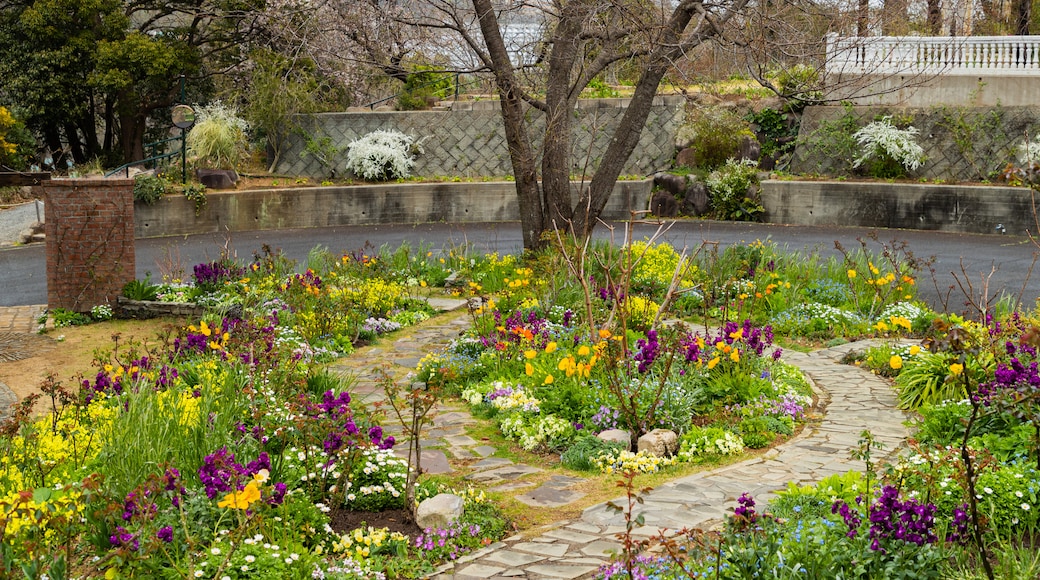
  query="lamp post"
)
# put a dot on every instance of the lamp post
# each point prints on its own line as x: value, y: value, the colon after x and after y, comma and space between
x: 183, y: 117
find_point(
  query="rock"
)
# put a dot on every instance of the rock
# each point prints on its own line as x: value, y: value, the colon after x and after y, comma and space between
x: 695, y: 200
x: 217, y: 178
x: 664, y: 204
x: 686, y: 158
x: 439, y: 511
x: 673, y: 184
x: 616, y: 436
x: 750, y: 149
x: 659, y: 442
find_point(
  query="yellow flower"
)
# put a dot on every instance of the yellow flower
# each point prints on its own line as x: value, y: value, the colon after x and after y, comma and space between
x: 896, y: 362
x: 851, y: 273
x: 583, y: 350
x: 551, y: 347
x: 915, y: 350
x: 737, y: 335
x: 241, y: 500
x: 530, y: 354
x: 956, y: 368
x: 713, y: 362
x: 204, y: 328
x: 735, y: 356
x: 528, y: 369
x: 604, y: 333
x: 548, y: 380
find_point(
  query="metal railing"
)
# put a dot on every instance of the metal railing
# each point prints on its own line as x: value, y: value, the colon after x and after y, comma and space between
x: 911, y: 55
x: 155, y: 155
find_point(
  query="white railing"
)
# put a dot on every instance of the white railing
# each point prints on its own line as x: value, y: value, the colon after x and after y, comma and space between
x: 912, y: 55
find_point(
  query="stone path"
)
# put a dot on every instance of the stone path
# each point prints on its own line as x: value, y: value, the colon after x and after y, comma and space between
x: 18, y: 341
x: 853, y: 400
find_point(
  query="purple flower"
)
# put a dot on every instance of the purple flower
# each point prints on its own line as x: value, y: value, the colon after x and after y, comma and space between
x: 165, y: 534
x: 123, y: 539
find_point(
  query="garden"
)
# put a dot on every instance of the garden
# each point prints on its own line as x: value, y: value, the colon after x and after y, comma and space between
x: 227, y: 448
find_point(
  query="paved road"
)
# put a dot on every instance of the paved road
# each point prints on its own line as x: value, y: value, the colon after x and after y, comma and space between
x: 960, y: 259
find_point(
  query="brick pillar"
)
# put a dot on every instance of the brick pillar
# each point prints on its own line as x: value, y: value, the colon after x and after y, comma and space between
x: 90, y: 241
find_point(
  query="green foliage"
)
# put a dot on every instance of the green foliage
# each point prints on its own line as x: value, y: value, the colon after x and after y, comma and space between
x: 16, y: 143
x: 149, y: 189
x: 196, y: 193
x: 800, y: 84
x: 580, y: 454
x: 756, y: 432
x: 929, y: 380
x: 422, y: 86
x: 833, y: 141
x: 280, y: 91
x: 140, y: 290
x: 772, y: 129
x: 709, y: 443
x: 322, y: 148
x: 714, y: 134
x: 597, y: 89
x: 733, y: 189
x: 63, y: 317
x: 218, y: 139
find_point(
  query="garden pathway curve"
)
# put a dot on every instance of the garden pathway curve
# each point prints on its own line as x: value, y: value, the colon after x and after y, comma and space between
x: 17, y: 341
x: 851, y: 399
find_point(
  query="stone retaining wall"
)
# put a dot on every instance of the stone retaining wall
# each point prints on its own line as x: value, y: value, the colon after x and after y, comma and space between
x: 150, y: 309
x: 473, y: 144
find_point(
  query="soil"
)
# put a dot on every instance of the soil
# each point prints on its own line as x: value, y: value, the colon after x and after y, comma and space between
x: 399, y: 520
x: 70, y: 357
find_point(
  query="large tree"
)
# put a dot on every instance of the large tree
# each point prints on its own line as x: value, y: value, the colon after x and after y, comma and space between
x: 582, y: 40
x: 90, y: 76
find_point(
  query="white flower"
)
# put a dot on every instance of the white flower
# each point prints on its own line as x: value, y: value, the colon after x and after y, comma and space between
x: 250, y: 558
x: 198, y: 573
x: 1018, y: 494
x: 1025, y: 507
x: 988, y: 490
x: 215, y: 551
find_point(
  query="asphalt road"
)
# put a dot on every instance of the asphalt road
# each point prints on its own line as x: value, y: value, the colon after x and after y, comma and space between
x: 965, y: 265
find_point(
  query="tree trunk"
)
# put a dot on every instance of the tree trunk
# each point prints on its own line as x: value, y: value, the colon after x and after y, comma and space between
x: 592, y: 201
x: 862, y: 17
x: 894, y: 19
x: 934, y: 17
x: 131, y: 136
x: 520, y: 151
x: 1022, y: 14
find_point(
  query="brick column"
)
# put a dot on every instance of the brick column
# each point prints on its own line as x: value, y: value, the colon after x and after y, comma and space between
x: 90, y: 241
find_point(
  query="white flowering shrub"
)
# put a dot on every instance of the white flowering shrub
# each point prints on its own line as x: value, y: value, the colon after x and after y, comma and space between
x: 888, y: 150
x: 382, y: 155
x: 707, y: 442
x: 622, y: 460
x: 1029, y: 152
x: 731, y: 189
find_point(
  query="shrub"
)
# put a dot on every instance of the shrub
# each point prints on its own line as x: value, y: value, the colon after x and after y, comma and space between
x: 218, y: 139
x: 149, y: 189
x: 140, y: 290
x: 16, y: 142
x: 731, y: 193
x: 888, y: 150
x: 196, y: 193
x: 714, y: 134
x: 579, y: 456
x: 709, y: 442
x: 801, y: 84
x: 382, y: 155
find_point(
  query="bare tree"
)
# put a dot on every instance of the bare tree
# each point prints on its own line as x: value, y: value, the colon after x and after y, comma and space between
x: 582, y: 39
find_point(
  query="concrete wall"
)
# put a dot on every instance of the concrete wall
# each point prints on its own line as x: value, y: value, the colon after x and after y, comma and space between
x: 312, y: 207
x: 948, y: 208
x: 472, y: 143
x: 928, y: 91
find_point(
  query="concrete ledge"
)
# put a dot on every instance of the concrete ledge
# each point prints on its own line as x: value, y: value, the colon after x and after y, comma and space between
x: 948, y: 208
x: 312, y: 207
x: 150, y: 309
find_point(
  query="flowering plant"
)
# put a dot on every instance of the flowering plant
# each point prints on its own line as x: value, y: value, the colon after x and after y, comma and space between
x: 382, y: 155
x: 890, y: 150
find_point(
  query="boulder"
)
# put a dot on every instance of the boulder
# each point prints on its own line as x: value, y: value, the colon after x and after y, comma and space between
x: 659, y: 442
x: 616, y: 436
x: 749, y: 149
x: 686, y: 158
x: 439, y: 511
x: 664, y: 205
x: 673, y: 184
x: 217, y: 178
x: 695, y: 200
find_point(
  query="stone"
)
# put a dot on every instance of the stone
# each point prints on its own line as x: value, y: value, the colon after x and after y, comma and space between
x: 491, y: 462
x: 558, y: 571
x: 549, y: 497
x: 506, y: 473
x: 659, y: 442
x: 217, y: 178
x: 435, y: 462
x: 695, y: 200
x: 616, y: 436
x: 552, y: 550
x: 439, y: 511
x: 749, y: 149
x: 484, y: 450
x: 673, y: 184
x: 601, y: 548
x: 664, y: 204
x: 514, y: 559
x: 478, y: 571
x: 686, y: 158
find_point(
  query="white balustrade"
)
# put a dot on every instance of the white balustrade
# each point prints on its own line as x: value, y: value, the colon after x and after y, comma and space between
x: 912, y: 55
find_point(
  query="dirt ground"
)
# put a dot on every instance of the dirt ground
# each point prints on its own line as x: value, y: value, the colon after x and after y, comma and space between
x: 68, y: 352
